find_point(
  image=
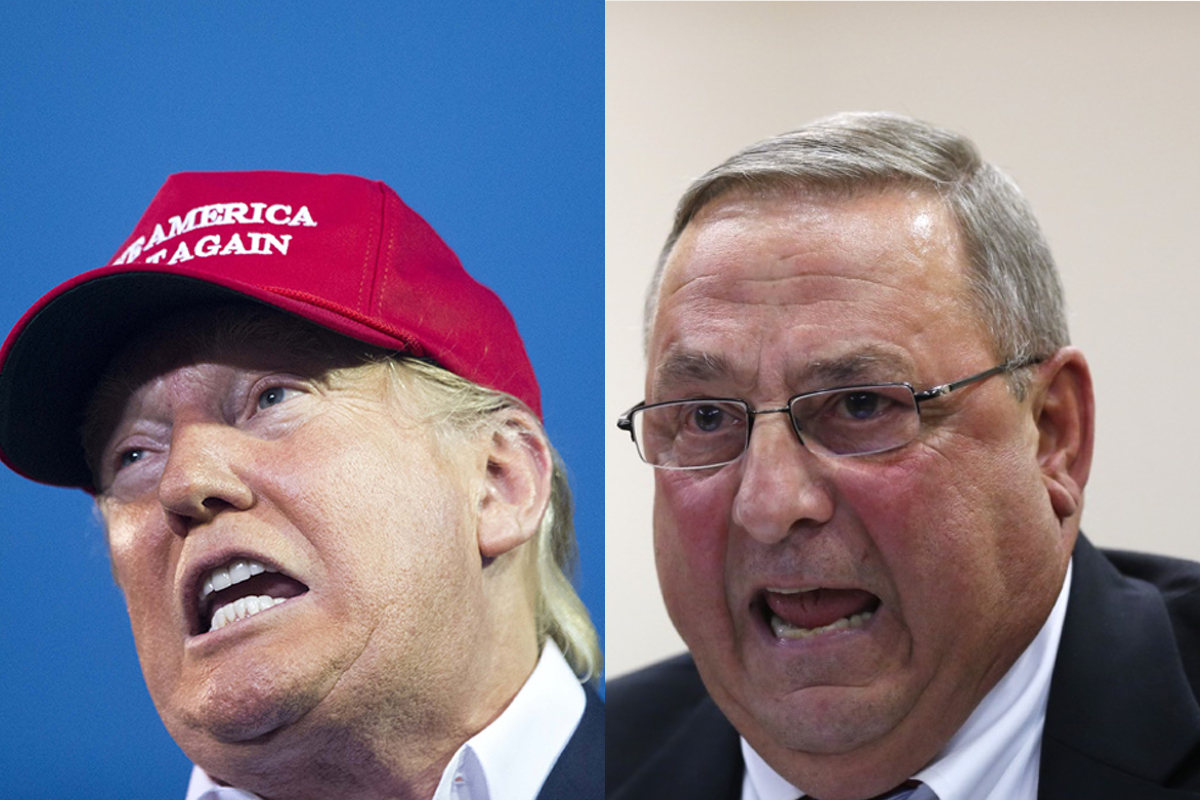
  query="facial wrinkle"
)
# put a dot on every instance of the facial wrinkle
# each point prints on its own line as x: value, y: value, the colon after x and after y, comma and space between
x: 681, y: 366
x: 872, y: 364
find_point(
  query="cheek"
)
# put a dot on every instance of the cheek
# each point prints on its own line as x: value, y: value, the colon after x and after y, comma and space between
x: 143, y: 553
x: 917, y: 519
x: 388, y: 516
x: 954, y: 550
x: 406, y: 562
x: 140, y: 547
x: 691, y: 517
x: 691, y: 520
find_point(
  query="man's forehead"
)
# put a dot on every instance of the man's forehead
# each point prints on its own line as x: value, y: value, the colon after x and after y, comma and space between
x: 863, y: 274
x: 898, y: 226
x: 838, y: 365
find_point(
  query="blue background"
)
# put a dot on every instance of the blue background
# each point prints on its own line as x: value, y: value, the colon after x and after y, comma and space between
x: 487, y: 119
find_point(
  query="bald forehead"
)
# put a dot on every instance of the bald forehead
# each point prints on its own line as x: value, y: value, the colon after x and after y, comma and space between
x: 810, y: 292
x: 876, y: 225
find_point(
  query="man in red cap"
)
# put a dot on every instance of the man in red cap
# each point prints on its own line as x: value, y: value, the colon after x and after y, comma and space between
x: 341, y: 531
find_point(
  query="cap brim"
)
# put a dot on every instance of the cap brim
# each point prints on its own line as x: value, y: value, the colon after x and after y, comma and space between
x: 55, y: 356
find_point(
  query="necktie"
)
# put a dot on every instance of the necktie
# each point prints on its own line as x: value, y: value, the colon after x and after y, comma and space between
x: 918, y: 792
x: 909, y: 791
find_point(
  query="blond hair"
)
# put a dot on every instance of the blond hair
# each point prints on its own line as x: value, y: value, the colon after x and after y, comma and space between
x: 457, y: 404
x: 452, y: 403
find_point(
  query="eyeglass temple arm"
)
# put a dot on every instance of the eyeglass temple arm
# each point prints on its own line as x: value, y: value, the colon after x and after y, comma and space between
x: 947, y: 388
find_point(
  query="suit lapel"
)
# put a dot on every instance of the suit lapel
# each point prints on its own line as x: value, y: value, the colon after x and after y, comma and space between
x: 1122, y: 719
x: 578, y: 773
x: 701, y: 761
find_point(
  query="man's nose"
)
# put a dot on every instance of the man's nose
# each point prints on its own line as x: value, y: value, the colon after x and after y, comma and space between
x: 783, y: 484
x: 200, y: 479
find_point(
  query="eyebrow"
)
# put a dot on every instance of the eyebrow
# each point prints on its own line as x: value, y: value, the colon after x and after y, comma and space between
x: 690, y: 366
x: 870, y: 365
x: 867, y: 365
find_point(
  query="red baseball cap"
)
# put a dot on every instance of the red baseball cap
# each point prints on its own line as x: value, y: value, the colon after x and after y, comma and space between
x: 340, y: 251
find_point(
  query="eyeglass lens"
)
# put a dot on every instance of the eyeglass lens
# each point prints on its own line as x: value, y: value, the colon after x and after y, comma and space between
x: 692, y: 433
x: 852, y: 421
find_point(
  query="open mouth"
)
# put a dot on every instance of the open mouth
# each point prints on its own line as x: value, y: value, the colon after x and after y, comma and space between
x: 239, y: 589
x: 804, y: 613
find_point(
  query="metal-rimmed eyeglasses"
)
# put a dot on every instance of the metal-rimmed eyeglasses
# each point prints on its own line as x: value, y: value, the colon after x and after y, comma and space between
x: 858, y: 420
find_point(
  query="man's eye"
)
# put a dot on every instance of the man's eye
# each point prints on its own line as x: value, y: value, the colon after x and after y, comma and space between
x: 863, y: 405
x: 708, y: 418
x: 271, y: 397
x: 130, y: 456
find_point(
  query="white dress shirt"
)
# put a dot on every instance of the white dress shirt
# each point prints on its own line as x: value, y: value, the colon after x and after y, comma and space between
x: 510, y: 759
x: 995, y: 754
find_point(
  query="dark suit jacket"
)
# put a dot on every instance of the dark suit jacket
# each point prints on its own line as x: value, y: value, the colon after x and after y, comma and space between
x: 1123, y: 721
x: 577, y: 773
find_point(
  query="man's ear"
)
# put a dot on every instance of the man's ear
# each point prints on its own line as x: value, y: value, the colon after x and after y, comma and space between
x: 517, y: 484
x: 1064, y: 410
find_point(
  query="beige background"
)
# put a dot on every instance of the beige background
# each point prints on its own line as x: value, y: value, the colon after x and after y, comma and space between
x: 1093, y: 108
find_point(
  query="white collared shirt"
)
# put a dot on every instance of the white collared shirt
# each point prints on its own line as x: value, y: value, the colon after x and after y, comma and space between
x: 510, y: 759
x: 995, y: 755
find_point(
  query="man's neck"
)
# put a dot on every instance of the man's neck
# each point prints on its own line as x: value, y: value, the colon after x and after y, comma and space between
x: 394, y: 754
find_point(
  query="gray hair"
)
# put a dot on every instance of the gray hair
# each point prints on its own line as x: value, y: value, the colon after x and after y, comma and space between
x: 458, y: 404
x: 1011, y: 279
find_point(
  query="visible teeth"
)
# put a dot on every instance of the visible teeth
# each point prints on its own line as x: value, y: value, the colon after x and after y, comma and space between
x: 233, y: 572
x: 242, y: 608
x: 784, y: 630
x: 240, y: 571
x: 793, y: 591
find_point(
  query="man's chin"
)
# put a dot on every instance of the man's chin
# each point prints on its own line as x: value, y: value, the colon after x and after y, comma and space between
x: 835, y: 742
x: 252, y: 712
x: 824, y: 720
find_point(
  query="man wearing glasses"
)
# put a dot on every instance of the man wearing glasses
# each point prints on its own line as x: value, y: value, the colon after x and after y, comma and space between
x: 870, y: 437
